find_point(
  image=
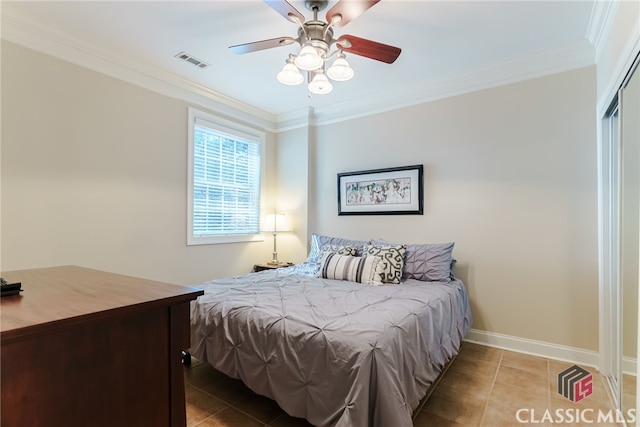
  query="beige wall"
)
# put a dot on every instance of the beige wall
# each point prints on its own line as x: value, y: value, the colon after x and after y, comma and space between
x: 94, y: 173
x: 292, y: 172
x: 510, y: 176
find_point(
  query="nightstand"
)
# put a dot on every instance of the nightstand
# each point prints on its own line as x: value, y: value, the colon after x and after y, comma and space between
x: 267, y: 266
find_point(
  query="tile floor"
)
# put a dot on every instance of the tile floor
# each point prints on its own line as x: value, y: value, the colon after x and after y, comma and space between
x: 484, y: 386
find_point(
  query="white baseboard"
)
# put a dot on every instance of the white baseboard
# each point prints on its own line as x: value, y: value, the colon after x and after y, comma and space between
x: 545, y: 349
x: 536, y: 348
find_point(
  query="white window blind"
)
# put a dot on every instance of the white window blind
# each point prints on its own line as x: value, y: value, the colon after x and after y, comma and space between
x: 225, y: 183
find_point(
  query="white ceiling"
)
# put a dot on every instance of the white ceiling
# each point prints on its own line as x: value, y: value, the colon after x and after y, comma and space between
x: 448, y: 47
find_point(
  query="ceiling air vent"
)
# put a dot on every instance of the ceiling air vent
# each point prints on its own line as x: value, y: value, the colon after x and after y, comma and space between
x: 195, y: 61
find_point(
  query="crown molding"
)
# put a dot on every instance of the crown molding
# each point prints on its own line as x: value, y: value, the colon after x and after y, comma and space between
x: 600, y: 23
x: 629, y: 52
x: 22, y: 30
x: 27, y: 32
x: 293, y: 120
x: 509, y: 71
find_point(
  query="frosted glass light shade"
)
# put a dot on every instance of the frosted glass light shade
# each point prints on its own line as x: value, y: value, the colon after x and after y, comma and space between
x: 308, y: 59
x: 340, y: 70
x: 290, y: 75
x: 320, y: 84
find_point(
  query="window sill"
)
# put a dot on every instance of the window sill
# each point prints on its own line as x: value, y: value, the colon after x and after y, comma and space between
x: 220, y: 240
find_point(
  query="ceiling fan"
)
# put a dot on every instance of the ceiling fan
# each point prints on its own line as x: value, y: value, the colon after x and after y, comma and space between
x: 315, y: 38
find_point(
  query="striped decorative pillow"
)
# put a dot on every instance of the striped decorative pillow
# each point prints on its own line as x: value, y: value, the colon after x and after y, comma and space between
x: 366, y: 270
x: 336, y: 250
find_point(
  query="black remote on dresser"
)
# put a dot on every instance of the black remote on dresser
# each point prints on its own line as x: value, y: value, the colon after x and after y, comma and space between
x: 7, y: 289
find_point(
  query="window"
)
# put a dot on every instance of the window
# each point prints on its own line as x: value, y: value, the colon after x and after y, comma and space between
x: 224, y: 181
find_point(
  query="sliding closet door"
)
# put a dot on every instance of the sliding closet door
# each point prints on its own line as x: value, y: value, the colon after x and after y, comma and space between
x: 630, y: 223
x: 610, y: 166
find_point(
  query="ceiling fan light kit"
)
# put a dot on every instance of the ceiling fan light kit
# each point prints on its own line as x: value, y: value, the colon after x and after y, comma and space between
x: 315, y: 38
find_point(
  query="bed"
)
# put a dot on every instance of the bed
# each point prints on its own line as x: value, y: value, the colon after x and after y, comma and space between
x: 337, y: 352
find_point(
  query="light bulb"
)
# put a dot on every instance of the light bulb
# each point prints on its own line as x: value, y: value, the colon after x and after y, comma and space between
x: 308, y: 59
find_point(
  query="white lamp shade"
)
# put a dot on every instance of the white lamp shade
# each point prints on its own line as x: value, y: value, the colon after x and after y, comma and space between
x: 320, y: 84
x: 275, y: 223
x: 340, y: 70
x: 308, y: 59
x: 290, y: 75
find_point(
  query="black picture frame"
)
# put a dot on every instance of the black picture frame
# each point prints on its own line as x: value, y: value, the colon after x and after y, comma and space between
x: 390, y: 191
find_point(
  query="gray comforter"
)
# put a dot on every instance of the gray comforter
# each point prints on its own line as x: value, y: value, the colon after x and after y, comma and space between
x: 336, y: 353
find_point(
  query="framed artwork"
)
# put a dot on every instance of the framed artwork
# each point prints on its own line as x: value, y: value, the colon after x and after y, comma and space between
x: 391, y: 191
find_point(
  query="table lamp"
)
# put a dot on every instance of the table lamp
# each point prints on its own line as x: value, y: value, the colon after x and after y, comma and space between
x: 275, y: 223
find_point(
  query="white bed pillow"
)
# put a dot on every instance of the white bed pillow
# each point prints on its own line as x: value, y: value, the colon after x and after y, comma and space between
x: 365, y: 270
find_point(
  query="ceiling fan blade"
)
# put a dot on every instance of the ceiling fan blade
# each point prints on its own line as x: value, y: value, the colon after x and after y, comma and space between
x: 285, y: 9
x: 349, y: 10
x: 369, y: 48
x: 261, y: 45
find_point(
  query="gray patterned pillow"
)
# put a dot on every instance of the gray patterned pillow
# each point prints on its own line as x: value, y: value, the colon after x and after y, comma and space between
x: 318, y: 241
x: 392, y: 260
x: 428, y: 262
x: 339, y: 249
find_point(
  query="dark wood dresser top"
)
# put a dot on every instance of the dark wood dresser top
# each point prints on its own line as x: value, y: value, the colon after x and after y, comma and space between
x: 56, y: 297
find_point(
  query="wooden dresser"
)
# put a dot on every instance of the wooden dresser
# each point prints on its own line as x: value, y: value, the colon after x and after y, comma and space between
x: 82, y: 347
